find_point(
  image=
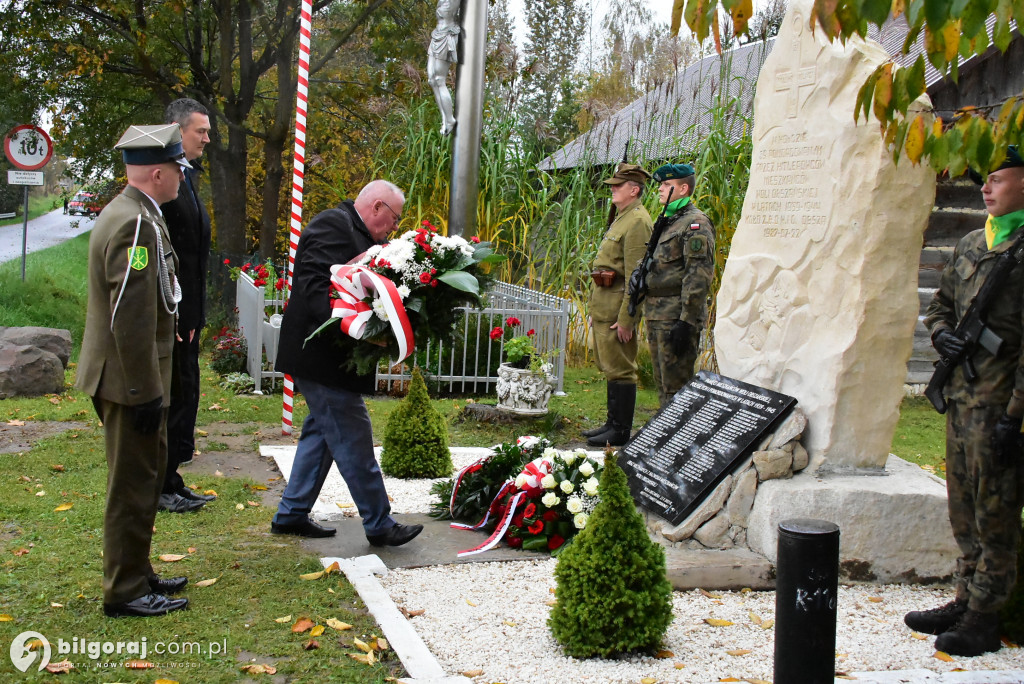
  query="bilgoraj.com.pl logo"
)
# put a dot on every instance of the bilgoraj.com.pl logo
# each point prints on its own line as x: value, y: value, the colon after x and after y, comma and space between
x: 28, y: 645
x: 23, y: 654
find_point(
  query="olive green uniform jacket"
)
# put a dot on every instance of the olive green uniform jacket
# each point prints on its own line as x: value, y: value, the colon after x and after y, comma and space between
x: 621, y: 250
x: 682, y: 269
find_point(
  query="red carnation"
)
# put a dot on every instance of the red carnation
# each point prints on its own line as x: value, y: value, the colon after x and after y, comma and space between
x: 550, y: 516
x: 425, y: 222
x: 555, y: 542
x: 530, y: 510
x: 537, y: 527
x: 227, y: 262
x: 259, y: 282
x: 424, y: 277
x: 531, y: 332
x: 433, y: 271
x: 279, y: 285
x: 433, y: 283
x: 517, y: 519
x: 496, y: 333
x: 245, y: 269
x: 474, y: 239
x: 512, y: 321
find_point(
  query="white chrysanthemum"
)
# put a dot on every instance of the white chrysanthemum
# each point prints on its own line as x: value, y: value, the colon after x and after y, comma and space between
x: 370, y: 253
x: 403, y: 291
x: 586, y: 469
x: 566, y: 486
x: 550, y: 500
x: 548, y: 481
x: 590, y: 487
x: 574, y: 505
x: 580, y: 520
x: 568, y: 456
x: 379, y: 310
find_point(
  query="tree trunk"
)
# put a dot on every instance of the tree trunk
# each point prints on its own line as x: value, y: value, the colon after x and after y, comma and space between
x: 273, y: 148
x: 227, y: 185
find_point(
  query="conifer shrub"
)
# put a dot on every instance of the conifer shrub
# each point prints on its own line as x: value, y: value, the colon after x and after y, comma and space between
x: 613, y: 595
x: 416, y: 437
x: 1012, y: 614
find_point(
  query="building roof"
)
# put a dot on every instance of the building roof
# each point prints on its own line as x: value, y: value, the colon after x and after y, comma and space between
x: 675, y: 114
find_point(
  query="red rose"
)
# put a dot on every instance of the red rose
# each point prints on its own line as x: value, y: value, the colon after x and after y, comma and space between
x: 279, y: 285
x: 555, y: 542
x: 531, y: 332
x: 227, y: 262
x: 474, y: 239
x: 433, y: 283
x: 514, y: 542
x: 550, y: 516
x: 496, y: 333
x: 537, y: 527
x: 512, y: 321
x: 424, y: 277
x: 433, y: 271
x: 530, y: 510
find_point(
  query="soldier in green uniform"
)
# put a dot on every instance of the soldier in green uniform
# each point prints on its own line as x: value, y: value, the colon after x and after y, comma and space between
x: 614, y: 342
x: 678, y: 282
x: 984, y: 466
x: 125, y: 363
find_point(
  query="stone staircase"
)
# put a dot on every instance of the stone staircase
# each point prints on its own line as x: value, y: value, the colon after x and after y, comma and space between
x: 958, y: 210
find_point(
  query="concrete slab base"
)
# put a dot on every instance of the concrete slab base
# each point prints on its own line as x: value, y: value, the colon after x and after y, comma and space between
x: 894, y: 527
x: 730, y: 569
x: 928, y: 677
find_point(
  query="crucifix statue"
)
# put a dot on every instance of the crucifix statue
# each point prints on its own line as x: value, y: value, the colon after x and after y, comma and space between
x: 442, y: 53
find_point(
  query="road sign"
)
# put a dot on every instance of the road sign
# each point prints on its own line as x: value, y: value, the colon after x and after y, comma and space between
x: 28, y: 147
x: 24, y: 177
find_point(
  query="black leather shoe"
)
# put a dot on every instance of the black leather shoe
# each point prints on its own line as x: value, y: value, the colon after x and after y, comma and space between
x: 171, y: 585
x: 187, y: 493
x: 307, y: 528
x: 176, y: 503
x: 395, y: 536
x: 149, y: 605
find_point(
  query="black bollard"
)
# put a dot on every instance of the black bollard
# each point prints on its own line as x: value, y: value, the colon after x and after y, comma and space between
x: 806, y: 586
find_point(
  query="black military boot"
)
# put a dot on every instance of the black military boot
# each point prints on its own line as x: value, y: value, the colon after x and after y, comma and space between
x: 975, y: 633
x: 623, y: 403
x: 936, y: 620
x: 610, y: 394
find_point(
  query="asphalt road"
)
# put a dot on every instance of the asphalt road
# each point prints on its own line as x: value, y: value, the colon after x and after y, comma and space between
x: 45, y: 231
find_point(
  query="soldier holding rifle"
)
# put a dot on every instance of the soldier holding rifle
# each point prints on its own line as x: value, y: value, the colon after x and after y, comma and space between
x: 976, y: 325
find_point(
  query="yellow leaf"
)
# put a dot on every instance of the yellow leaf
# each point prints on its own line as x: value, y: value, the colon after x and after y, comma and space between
x: 738, y: 651
x: 509, y: 623
x: 767, y: 624
x: 259, y: 487
x: 240, y: 507
x: 915, y: 148
x: 919, y: 636
x: 470, y: 603
x: 337, y: 624
x: 755, y: 618
x: 57, y: 467
x: 171, y: 557
x: 15, y: 422
x: 191, y: 549
x: 665, y: 654
x: 755, y: 681
x: 472, y: 673
x: 166, y: 681
x: 258, y: 668
x: 943, y: 656
x: 312, y: 575
x: 709, y: 595
x: 715, y: 622
x: 679, y: 666
x: 301, y: 625
x: 883, y: 92
x: 317, y: 631
x: 207, y: 582
x: 286, y: 618
x: 365, y: 658
x: 202, y: 433
x: 253, y: 503
x: 6, y: 618
x: 730, y: 679
x: 345, y: 505
x: 56, y: 605
x: 381, y: 643
x: 648, y: 680
x: 875, y: 599
x: 333, y: 567
x: 212, y: 492
x: 362, y: 645
x: 951, y: 36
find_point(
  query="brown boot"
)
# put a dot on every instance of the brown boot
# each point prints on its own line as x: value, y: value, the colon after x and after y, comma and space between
x: 975, y: 633
x: 936, y: 620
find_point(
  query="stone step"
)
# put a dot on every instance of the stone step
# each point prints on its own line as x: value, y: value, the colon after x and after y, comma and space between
x: 962, y: 193
x: 928, y: 277
x: 947, y: 226
x: 936, y: 256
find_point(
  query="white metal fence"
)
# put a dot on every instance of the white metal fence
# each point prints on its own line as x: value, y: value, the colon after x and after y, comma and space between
x: 466, y: 363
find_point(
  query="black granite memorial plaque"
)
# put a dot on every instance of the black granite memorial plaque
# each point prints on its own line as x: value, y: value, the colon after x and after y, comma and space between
x: 679, y: 457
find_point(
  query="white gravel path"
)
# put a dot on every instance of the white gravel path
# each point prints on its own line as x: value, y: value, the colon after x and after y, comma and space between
x: 491, y: 617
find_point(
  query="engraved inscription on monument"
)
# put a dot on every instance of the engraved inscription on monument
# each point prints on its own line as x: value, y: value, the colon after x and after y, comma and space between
x: 788, y: 197
x: 676, y: 460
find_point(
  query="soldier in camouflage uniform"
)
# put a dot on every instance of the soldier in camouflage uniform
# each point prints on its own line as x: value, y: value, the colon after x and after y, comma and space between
x: 984, y: 468
x: 676, y: 307
x: 614, y: 342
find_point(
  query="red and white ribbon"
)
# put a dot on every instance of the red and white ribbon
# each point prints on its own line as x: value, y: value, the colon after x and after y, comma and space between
x: 354, y: 285
x: 500, y: 530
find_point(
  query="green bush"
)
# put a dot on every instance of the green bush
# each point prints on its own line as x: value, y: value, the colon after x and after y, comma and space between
x: 416, y: 437
x: 612, y: 594
x: 1012, y: 614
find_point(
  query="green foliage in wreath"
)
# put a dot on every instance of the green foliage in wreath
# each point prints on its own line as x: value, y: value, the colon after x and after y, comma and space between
x: 1012, y: 614
x: 416, y: 437
x: 613, y: 595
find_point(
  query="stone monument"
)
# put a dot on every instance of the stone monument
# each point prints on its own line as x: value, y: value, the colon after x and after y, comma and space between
x: 819, y: 295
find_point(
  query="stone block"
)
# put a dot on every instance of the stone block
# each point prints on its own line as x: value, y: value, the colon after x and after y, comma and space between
x: 893, y: 527
x: 29, y: 371
x: 771, y: 465
x: 714, y: 534
x: 790, y: 429
x: 742, y: 498
x: 800, y: 457
x: 53, y: 340
x: 731, y: 569
x: 708, y: 508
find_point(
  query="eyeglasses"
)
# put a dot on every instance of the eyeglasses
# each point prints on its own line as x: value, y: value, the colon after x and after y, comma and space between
x: 393, y: 212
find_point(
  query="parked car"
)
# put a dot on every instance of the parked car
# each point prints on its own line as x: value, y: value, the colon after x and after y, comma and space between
x: 84, y: 204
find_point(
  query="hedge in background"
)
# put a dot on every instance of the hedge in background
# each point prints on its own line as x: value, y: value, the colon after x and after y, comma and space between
x: 416, y: 437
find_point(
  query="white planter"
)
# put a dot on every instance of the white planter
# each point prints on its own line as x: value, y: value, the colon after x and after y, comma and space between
x: 524, y: 392
x: 271, y: 336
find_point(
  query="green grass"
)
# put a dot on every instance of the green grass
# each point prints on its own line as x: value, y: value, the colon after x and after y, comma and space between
x: 37, y: 206
x: 920, y: 436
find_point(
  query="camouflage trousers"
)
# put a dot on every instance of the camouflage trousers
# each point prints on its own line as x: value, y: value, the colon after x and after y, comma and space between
x: 985, y: 498
x: 671, y: 370
x: 616, y: 360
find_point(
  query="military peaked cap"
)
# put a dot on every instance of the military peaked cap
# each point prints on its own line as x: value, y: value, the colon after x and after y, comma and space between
x: 671, y: 171
x: 146, y: 145
x: 627, y: 172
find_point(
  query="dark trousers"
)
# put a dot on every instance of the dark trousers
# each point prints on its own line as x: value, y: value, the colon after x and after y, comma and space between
x: 135, y: 463
x: 181, y: 418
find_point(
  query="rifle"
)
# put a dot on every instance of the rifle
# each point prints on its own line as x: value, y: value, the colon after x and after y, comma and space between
x: 638, y: 279
x: 972, y: 329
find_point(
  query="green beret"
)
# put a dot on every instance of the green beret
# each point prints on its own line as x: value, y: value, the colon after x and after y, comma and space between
x: 627, y: 172
x: 1012, y: 161
x: 670, y: 171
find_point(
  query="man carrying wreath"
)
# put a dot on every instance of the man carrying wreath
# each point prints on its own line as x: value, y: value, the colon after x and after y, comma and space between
x: 338, y: 425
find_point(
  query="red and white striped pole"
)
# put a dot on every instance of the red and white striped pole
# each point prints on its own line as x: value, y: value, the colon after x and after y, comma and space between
x: 298, y: 168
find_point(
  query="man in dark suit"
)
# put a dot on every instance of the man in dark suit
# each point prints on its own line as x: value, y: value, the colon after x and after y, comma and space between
x: 125, y: 363
x: 189, y: 226
x: 338, y: 425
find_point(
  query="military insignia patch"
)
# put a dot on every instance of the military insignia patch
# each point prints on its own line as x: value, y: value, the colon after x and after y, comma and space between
x: 139, y: 259
x: 696, y: 245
